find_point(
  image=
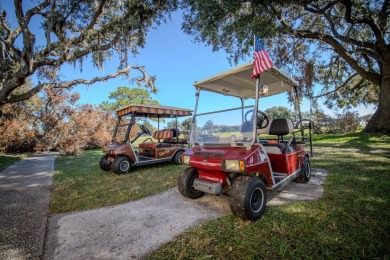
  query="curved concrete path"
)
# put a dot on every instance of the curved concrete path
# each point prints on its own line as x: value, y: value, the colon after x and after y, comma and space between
x: 24, y: 202
x: 132, y: 230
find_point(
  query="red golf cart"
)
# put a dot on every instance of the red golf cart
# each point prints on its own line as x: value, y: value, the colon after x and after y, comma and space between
x: 240, y: 151
x: 166, y: 145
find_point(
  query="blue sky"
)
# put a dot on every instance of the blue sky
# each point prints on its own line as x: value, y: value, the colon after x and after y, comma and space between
x: 176, y: 61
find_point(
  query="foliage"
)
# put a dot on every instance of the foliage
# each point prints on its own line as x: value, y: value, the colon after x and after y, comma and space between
x: 349, y: 221
x: 50, y: 34
x: 209, y: 125
x: 347, y: 122
x: 125, y: 96
x: 341, y: 45
x: 172, y: 124
x: 279, y: 112
x: 186, y: 124
x: 53, y: 121
x: 80, y: 184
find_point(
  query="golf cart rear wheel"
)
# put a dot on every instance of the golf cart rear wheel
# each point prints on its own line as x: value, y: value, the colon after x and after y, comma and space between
x: 248, y: 198
x: 305, y: 174
x: 185, y: 184
x: 121, y: 165
x: 105, y: 163
x: 177, y: 158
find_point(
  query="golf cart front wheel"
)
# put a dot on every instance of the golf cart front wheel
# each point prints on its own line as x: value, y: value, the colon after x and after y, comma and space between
x: 177, y: 158
x: 121, y: 165
x: 105, y: 163
x: 305, y: 173
x: 185, y: 184
x: 248, y: 198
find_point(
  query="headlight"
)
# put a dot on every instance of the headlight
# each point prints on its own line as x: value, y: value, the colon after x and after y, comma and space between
x: 234, y: 165
x: 186, y: 159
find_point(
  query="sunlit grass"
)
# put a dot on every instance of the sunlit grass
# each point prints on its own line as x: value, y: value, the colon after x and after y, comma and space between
x: 80, y: 184
x: 9, y: 159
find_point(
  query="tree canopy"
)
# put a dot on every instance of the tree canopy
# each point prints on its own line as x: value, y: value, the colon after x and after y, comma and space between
x: 125, y: 96
x: 70, y: 31
x: 340, y: 46
x: 279, y: 112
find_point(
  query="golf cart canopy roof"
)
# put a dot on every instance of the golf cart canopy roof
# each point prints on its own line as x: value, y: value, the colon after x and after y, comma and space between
x: 238, y: 82
x: 153, y: 111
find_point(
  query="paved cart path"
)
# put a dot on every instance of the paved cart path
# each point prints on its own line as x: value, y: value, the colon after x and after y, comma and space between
x: 132, y: 230
x: 24, y: 202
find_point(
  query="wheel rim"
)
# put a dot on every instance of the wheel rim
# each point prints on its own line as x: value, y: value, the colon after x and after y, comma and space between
x: 124, y: 166
x: 192, y: 184
x: 257, y: 199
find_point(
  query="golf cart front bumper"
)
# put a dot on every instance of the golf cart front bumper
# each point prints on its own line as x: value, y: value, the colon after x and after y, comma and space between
x: 208, y: 187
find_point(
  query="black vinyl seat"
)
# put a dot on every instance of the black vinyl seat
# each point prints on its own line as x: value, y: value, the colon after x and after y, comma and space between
x: 280, y: 127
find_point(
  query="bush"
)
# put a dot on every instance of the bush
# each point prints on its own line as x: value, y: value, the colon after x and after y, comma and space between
x: 347, y: 122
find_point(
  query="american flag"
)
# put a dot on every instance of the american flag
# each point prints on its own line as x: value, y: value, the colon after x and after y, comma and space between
x: 262, y: 60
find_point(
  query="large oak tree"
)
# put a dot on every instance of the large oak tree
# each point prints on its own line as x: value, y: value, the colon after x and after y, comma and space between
x: 70, y: 31
x: 339, y: 46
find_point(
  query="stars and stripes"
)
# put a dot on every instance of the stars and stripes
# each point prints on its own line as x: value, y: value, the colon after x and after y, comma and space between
x: 262, y: 60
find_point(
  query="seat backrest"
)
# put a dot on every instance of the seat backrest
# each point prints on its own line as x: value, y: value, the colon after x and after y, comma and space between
x: 281, y: 126
x: 165, y: 134
x: 265, y: 130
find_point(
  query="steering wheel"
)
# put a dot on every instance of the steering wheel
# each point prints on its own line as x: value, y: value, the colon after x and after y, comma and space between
x: 262, y: 118
x: 145, y: 130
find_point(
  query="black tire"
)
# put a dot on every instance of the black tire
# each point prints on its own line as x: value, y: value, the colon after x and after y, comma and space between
x: 248, y: 198
x: 305, y: 174
x: 185, y: 183
x: 177, y: 158
x: 105, y: 163
x: 121, y: 165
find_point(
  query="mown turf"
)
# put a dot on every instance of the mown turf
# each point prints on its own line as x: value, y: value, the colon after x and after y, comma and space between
x: 351, y: 221
x: 9, y: 159
x: 80, y: 184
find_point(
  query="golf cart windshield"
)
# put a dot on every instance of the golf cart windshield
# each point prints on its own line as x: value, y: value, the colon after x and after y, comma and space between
x: 232, y: 126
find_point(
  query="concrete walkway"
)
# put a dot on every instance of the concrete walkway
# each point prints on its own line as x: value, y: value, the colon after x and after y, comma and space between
x: 24, y: 202
x: 133, y: 230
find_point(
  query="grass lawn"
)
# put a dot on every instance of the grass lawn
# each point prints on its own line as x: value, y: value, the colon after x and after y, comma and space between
x: 9, y: 159
x: 80, y: 184
x: 352, y: 220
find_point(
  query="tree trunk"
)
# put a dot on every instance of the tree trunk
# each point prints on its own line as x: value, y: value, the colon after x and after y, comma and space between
x: 380, y: 121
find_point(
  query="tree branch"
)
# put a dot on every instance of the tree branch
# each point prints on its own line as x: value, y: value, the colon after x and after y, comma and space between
x: 17, y: 98
x: 339, y: 87
x: 337, y: 47
x: 346, y: 39
x: 97, y: 14
x: 5, y: 25
x: 383, y: 15
x: 365, y: 20
x: 36, y: 10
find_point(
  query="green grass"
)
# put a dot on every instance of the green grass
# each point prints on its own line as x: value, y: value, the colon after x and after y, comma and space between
x: 352, y: 220
x: 80, y: 184
x: 9, y: 159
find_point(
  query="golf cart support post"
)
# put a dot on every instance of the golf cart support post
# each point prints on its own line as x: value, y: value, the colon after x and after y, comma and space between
x: 245, y: 164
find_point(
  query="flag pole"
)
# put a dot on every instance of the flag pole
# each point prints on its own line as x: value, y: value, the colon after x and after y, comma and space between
x: 255, y: 137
